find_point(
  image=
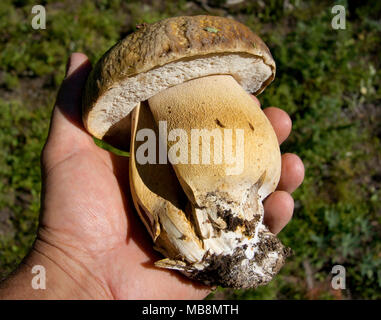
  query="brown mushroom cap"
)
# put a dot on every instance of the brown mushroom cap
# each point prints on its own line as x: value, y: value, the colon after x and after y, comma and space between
x: 126, y: 74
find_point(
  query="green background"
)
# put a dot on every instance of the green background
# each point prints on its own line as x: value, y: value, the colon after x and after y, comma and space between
x: 327, y: 80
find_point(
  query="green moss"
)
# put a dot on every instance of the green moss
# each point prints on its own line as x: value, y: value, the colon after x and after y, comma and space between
x: 327, y: 80
x: 21, y: 138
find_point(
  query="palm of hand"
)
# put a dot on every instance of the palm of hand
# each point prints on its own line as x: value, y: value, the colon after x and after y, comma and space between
x: 87, y: 214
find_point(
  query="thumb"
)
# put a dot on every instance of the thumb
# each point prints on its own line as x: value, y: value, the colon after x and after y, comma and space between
x: 67, y: 134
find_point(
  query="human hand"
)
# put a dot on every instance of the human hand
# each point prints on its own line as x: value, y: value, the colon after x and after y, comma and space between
x: 89, y: 234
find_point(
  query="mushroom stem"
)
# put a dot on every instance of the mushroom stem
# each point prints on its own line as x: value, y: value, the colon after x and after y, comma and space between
x: 204, y: 206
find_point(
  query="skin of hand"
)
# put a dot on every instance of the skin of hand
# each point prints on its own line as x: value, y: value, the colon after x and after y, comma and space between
x: 90, y: 239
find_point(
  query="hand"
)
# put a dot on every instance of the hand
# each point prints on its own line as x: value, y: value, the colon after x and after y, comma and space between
x: 89, y: 235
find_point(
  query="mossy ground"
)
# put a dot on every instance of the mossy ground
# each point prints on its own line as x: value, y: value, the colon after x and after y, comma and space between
x: 327, y: 80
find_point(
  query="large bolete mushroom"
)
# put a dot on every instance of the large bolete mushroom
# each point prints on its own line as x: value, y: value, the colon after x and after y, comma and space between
x: 203, y: 154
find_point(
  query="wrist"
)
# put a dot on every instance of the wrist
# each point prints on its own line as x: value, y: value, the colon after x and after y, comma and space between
x: 48, y: 273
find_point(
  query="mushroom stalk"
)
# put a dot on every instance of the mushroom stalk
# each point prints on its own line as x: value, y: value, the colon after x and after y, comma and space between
x: 200, y: 193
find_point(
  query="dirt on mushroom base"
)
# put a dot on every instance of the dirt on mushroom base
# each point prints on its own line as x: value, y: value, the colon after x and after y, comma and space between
x: 224, y: 270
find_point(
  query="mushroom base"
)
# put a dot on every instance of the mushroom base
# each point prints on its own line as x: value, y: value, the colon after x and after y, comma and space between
x: 239, y: 272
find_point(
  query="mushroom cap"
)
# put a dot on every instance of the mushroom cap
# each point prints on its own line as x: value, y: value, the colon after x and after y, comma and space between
x: 165, y: 54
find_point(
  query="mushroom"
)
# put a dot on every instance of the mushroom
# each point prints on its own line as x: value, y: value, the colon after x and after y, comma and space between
x: 203, y: 154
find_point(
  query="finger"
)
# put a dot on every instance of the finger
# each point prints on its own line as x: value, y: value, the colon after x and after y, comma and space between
x: 279, y: 207
x: 280, y: 121
x: 292, y: 173
x: 67, y: 110
x: 256, y: 100
x: 66, y: 133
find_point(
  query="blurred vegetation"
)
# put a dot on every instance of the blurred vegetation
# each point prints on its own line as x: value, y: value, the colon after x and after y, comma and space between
x: 327, y: 80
